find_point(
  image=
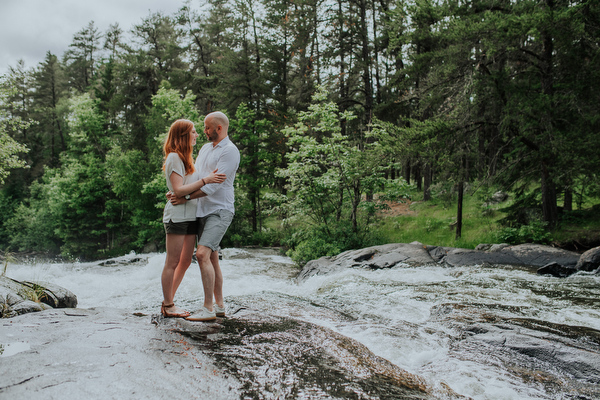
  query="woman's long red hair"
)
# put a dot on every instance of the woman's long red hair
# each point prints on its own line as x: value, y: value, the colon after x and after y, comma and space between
x: 179, y: 140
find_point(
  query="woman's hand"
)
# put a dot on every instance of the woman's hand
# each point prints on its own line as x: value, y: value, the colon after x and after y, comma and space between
x: 215, y: 178
x: 175, y: 200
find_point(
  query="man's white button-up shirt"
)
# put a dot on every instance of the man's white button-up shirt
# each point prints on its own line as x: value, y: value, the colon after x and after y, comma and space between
x: 225, y: 157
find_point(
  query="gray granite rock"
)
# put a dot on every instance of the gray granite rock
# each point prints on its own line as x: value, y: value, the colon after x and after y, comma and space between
x: 111, y: 354
x: 23, y: 297
x: 524, y: 255
x: 555, y: 269
x: 103, y: 354
x: 589, y: 261
x: 376, y: 257
x: 533, y: 256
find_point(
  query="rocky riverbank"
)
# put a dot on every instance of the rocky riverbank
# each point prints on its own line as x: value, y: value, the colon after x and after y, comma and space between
x: 541, y: 258
x: 267, y: 347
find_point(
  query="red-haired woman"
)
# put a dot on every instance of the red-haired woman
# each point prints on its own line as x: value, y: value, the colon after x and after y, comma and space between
x: 180, y: 220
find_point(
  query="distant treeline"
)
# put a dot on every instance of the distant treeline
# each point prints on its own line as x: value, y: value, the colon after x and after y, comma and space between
x: 333, y: 103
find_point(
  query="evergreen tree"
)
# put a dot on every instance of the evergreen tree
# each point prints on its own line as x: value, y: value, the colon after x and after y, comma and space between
x: 80, y: 60
x: 50, y: 91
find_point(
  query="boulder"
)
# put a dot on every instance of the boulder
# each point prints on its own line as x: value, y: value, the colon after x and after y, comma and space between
x: 53, y: 295
x: 24, y: 297
x: 131, y: 258
x: 525, y: 255
x: 376, y: 257
x: 555, y: 269
x: 589, y: 261
x: 499, y: 197
x: 532, y: 256
x: 496, y: 198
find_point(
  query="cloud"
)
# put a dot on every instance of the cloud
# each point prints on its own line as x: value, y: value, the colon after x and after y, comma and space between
x: 30, y: 28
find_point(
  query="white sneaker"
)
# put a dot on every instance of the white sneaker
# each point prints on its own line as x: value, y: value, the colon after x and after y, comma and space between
x: 202, y: 315
x: 220, y: 311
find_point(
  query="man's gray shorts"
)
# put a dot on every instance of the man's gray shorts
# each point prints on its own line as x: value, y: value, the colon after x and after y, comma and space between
x: 212, y: 228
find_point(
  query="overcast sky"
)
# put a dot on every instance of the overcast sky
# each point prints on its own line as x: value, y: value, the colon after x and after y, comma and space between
x: 30, y: 28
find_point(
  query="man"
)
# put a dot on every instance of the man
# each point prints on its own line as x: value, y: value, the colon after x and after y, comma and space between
x: 215, y: 211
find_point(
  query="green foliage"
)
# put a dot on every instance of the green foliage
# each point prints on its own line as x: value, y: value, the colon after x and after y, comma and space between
x: 433, y: 223
x: 131, y: 212
x: 535, y: 232
x: 32, y: 227
x: 502, y: 93
x: 312, y: 242
x: 327, y: 175
x: 35, y: 292
x: 10, y: 149
x: 8, y: 257
x: 254, y: 138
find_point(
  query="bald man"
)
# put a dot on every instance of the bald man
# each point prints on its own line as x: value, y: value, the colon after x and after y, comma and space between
x: 215, y: 211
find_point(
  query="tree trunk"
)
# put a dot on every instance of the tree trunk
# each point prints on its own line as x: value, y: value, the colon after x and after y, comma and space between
x: 355, y: 203
x: 568, y: 203
x: 366, y: 60
x: 549, y: 206
x: 427, y: 182
x: 418, y: 180
x: 407, y: 171
x: 461, y: 187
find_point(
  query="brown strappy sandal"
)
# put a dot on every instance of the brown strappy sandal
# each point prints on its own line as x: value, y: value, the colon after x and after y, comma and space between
x: 176, y: 314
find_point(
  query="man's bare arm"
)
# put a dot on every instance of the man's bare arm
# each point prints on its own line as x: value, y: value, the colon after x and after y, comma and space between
x: 181, y: 200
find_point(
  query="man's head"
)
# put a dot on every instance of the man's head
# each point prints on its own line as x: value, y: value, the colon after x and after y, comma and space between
x: 216, y: 125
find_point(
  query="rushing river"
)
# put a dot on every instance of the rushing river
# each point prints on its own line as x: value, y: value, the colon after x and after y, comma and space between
x: 401, y: 314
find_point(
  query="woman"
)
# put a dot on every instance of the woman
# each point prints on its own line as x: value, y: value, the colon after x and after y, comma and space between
x: 180, y: 220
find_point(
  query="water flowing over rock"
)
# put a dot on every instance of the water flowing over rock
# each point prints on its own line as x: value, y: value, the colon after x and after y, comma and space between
x: 276, y: 357
x: 560, y: 358
x: 103, y: 354
x: 387, y: 322
x: 107, y: 353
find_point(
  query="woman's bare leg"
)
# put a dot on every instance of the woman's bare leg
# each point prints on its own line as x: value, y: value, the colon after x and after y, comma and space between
x: 174, y: 247
x: 185, y: 260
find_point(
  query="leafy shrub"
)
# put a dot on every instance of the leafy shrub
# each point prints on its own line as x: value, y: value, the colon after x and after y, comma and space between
x: 317, y: 241
x: 395, y: 190
x: 535, y: 232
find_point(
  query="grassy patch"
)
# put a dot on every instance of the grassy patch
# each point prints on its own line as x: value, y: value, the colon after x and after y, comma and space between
x: 434, y: 223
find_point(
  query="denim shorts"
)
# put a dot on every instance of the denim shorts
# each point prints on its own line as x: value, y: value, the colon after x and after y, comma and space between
x: 212, y: 228
x: 181, y: 228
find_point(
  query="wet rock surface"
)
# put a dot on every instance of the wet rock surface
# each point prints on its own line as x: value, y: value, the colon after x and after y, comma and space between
x: 23, y: 297
x: 560, y: 359
x: 103, y: 354
x: 376, y: 257
x: 108, y: 353
x: 275, y: 357
x: 268, y: 347
x: 416, y: 254
x: 590, y: 260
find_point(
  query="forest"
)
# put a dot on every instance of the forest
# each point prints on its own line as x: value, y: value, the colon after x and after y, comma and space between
x: 336, y: 106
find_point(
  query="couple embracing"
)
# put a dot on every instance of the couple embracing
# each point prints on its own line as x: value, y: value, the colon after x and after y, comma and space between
x: 199, y: 210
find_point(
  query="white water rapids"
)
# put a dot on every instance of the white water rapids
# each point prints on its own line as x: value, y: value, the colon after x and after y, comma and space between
x: 391, y: 309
